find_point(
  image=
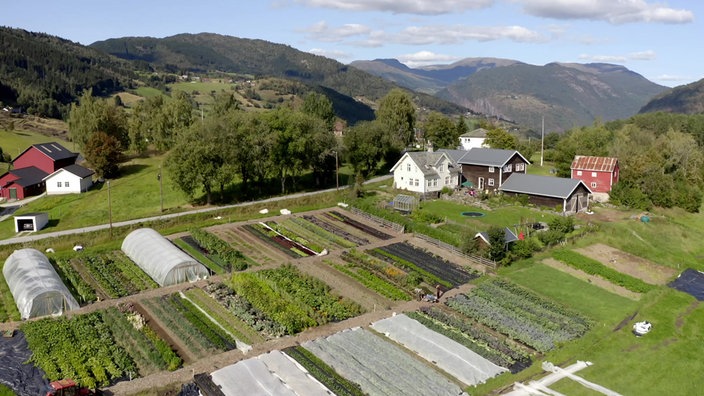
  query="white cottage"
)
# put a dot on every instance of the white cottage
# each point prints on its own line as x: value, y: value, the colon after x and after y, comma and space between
x: 425, y: 172
x: 72, y: 179
x: 473, y: 139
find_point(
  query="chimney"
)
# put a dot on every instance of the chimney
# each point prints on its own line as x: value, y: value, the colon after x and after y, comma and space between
x: 430, y: 146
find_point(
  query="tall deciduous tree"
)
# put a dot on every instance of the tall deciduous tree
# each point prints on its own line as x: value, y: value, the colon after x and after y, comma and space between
x: 104, y: 153
x: 498, y: 138
x: 93, y: 114
x: 440, y: 131
x: 366, y: 145
x: 397, y: 113
x: 318, y: 105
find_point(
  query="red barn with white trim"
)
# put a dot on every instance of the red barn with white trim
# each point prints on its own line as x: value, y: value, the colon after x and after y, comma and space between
x: 598, y: 173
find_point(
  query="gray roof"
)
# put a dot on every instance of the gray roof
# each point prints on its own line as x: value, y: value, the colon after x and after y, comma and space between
x: 427, y: 161
x: 455, y: 155
x: 478, y: 133
x: 509, y: 236
x: 547, y: 186
x: 53, y: 150
x: 489, y: 157
x: 28, y: 176
x: 78, y: 170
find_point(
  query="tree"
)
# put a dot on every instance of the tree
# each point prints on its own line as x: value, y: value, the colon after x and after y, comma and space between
x: 461, y: 127
x: 104, y: 153
x: 397, y: 113
x: 366, y: 145
x: 440, y: 131
x: 497, y: 243
x: 318, y: 105
x: 498, y: 138
x: 94, y: 114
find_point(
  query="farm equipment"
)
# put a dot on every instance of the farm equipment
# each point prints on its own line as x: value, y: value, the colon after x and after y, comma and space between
x: 67, y: 387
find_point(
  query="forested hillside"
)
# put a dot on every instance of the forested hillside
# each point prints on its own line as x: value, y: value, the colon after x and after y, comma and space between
x: 685, y: 99
x: 44, y: 74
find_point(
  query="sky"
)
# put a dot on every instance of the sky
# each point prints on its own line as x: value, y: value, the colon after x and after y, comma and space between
x: 657, y: 39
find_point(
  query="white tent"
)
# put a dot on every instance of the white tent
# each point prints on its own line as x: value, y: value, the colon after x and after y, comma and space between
x: 35, y: 285
x: 160, y: 259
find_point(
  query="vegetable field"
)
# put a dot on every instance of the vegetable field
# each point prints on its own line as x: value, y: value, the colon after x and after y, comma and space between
x: 278, y: 241
x: 347, y: 220
x: 520, y: 314
x: 378, y: 366
x: 113, y: 273
x: 375, y: 274
x: 433, y: 269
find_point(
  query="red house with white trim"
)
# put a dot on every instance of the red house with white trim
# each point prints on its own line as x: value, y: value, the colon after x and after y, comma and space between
x: 31, y: 167
x: 598, y: 173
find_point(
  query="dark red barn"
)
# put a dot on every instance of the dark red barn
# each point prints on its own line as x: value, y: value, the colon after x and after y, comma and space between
x: 31, y: 167
x: 598, y: 173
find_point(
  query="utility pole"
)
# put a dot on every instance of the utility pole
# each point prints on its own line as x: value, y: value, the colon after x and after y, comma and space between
x: 161, y: 189
x: 337, y: 172
x: 542, y: 141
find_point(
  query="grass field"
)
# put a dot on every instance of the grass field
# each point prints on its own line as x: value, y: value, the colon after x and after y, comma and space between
x: 505, y: 216
x: 15, y: 142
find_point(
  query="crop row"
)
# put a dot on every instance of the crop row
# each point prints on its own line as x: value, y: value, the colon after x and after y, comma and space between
x: 82, y: 348
x: 335, y: 230
x: 437, y: 266
x: 73, y: 280
x: 295, y: 300
x: 275, y: 241
x: 371, y: 281
x: 517, y: 315
x: 339, y: 385
x: 356, y: 224
x: 239, y: 306
x: 293, y: 236
x: 189, y: 335
x: 149, y: 351
x: 427, y: 277
x: 116, y: 275
x: 315, y: 229
x: 217, y: 312
x: 215, y: 335
x: 465, y: 331
x: 593, y: 267
x: 190, y: 246
x: 221, y: 250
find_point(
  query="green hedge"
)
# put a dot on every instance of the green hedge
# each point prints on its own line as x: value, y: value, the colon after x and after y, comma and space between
x: 594, y: 267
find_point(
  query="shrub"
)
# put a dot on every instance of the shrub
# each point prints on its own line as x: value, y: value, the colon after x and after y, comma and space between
x: 563, y: 224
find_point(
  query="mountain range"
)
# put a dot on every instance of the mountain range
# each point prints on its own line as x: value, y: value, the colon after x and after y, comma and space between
x: 45, y: 74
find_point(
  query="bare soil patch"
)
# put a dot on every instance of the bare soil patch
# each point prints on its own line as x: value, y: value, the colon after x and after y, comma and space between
x: 629, y: 264
x: 593, y: 279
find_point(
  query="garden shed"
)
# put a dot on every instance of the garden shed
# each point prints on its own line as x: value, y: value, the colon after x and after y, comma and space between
x: 404, y: 203
x: 31, y: 221
x: 35, y: 285
x: 160, y: 259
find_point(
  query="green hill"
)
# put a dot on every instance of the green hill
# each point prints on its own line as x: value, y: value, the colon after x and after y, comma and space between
x: 685, y: 99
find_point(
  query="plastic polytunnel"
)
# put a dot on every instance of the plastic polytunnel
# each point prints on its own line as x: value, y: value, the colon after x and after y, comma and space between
x: 160, y: 259
x: 35, y: 285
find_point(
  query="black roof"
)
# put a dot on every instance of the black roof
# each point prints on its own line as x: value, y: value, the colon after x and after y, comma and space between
x: 78, y: 170
x: 55, y: 151
x: 28, y: 176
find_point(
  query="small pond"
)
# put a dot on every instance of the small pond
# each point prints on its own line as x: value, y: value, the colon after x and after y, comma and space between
x: 472, y: 214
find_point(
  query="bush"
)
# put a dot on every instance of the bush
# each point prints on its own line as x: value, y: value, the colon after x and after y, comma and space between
x: 550, y: 237
x: 525, y: 248
x: 564, y: 224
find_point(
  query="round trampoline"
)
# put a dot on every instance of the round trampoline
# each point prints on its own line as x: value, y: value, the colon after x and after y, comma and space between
x: 472, y: 214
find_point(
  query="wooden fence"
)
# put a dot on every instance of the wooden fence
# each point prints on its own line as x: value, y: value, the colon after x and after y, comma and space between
x: 454, y: 249
x: 378, y: 220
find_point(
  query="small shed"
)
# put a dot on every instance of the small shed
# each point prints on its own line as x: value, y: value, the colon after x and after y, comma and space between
x: 405, y: 203
x: 509, y: 237
x: 31, y: 221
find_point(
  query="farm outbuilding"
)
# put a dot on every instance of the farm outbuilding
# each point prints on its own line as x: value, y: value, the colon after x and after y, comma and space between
x: 31, y: 221
x: 160, y: 259
x: 35, y: 285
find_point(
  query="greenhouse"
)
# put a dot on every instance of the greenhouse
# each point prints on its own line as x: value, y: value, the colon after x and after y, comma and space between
x: 35, y: 285
x: 160, y: 259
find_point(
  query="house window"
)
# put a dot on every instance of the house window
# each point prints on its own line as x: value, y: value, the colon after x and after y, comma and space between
x: 520, y: 167
x: 491, y: 169
x: 508, y: 168
x: 593, y: 174
x: 408, y: 167
x: 579, y: 173
x: 593, y: 184
x: 435, y: 182
x: 410, y: 182
x: 447, y: 180
x: 58, y: 184
x: 490, y: 182
x: 417, y: 182
x: 66, y: 184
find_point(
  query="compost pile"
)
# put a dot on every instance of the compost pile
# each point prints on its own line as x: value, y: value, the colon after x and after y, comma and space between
x: 24, y: 378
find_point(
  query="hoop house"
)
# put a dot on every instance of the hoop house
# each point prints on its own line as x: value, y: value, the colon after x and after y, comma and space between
x: 35, y: 285
x: 160, y: 259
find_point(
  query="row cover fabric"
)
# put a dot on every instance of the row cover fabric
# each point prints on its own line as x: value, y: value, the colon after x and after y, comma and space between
x: 160, y: 259
x: 691, y: 282
x: 35, y: 285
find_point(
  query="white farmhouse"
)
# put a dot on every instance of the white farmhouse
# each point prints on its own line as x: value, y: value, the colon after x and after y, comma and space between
x: 72, y: 179
x: 473, y: 139
x: 425, y: 172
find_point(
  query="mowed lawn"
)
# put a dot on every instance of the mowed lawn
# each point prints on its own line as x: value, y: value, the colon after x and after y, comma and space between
x: 15, y: 142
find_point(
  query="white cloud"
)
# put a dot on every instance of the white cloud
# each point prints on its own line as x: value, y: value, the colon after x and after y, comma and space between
x: 633, y: 56
x: 673, y: 78
x: 334, y: 54
x: 425, y: 35
x: 322, y: 32
x: 420, y: 7
x: 612, y: 11
x: 423, y: 58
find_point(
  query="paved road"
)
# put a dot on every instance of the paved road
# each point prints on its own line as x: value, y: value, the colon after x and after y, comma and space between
x: 30, y: 238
